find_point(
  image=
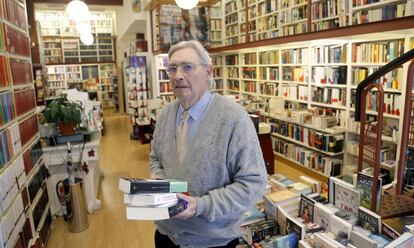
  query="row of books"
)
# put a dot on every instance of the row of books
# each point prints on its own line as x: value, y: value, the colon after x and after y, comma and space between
x: 37, y: 182
x: 294, y: 74
x: 32, y: 156
x: 14, y: 12
x: 391, y: 80
x: 386, y: 152
x: 385, y: 13
x: 329, y: 75
x: 377, y: 52
x: 294, y: 56
x: 324, y: 24
x: 4, y: 72
x: 329, y: 95
x: 24, y: 101
x: 28, y: 129
x: 11, y: 223
x: 323, y: 141
x: 329, y: 54
x: 232, y: 72
x: 391, y: 102
x: 6, y: 108
x: 329, y: 8
x: 12, y: 179
x: 10, y: 144
x: 21, y: 72
x: 14, y: 41
x: 308, y: 158
x: 298, y: 92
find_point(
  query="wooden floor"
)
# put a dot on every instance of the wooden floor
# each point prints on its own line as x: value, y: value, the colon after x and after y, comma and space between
x: 108, y: 227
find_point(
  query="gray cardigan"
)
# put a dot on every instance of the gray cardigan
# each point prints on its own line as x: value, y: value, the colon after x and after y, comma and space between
x: 224, y: 169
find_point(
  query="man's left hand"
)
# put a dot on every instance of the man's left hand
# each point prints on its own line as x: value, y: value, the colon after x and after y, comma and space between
x: 191, y: 207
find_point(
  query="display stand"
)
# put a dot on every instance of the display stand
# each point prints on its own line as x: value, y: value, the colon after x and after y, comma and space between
x: 85, y: 158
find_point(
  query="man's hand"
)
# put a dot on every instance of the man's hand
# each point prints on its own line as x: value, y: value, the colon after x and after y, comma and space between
x: 191, y: 207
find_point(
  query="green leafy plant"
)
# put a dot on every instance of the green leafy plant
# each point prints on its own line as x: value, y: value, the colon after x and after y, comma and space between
x: 62, y: 111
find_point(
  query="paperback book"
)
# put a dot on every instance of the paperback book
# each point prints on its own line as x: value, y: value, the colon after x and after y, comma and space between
x: 140, y: 186
x: 158, y: 212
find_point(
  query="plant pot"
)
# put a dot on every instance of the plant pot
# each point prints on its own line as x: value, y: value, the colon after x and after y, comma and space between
x: 66, y: 128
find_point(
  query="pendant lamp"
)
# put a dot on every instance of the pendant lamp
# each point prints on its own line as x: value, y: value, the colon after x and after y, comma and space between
x: 186, y: 4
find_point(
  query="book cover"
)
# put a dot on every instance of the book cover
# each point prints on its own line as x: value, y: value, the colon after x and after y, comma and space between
x: 136, y: 185
x: 322, y: 216
x: 345, y: 196
x: 404, y: 241
x: 281, y: 219
x: 359, y: 240
x: 364, y: 185
x: 306, y: 208
x: 340, y: 227
x: 295, y: 225
x: 159, y: 212
x: 369, y: 220
x: 286, y: 241
x: 149, y: 199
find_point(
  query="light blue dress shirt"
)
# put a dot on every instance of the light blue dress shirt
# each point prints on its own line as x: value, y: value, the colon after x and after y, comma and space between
x: 196, y: 113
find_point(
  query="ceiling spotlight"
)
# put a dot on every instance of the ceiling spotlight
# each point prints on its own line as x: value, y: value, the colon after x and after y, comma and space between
x: 186, y: 4
x: 77, y: 10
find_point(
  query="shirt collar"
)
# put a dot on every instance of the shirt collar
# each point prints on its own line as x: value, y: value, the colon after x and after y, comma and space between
x: 198, y: 109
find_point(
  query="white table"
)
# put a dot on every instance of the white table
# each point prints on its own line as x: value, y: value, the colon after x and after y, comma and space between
x: 55, y: 161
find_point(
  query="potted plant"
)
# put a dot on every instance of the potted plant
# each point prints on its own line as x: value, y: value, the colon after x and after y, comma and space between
x: 65, y: 114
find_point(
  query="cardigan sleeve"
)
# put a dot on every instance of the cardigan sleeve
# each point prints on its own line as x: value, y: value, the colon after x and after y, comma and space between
x: 156, y: 169
x: 245, y: 160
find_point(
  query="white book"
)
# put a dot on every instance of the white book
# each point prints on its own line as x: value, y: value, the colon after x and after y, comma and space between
x: 149, y: 199
x: 158, y: 212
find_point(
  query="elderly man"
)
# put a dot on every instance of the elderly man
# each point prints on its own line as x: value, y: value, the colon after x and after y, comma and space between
x: 210, y: 142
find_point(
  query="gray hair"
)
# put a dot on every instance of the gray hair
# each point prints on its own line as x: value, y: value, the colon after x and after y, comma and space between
x: 196, y: 46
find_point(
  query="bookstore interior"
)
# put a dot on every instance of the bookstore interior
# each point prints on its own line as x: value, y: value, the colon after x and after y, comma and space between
x: 325, y: 82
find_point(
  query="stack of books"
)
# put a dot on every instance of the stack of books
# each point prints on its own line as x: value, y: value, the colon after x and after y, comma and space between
x: 147, y: 199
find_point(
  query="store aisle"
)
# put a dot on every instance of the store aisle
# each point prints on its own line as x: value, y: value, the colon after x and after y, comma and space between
x: 108, y: 227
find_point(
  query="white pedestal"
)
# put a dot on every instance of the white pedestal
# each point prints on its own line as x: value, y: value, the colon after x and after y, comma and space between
x: 55, y: 161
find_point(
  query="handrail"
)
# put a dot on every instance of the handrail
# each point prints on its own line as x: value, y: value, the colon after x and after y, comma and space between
x: 376, y: 75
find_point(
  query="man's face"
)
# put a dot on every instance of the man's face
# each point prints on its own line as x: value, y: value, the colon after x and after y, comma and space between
x: 189, y: 78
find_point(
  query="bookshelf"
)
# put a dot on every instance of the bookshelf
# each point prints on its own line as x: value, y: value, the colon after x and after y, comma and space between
x: 63, y: 77
x: 216, y: 24
x: 254, y: 20
x: 162, y: 84
x: 22, y: 171
x: 105, y: 84
x: 319, y: 76
x: 62, y: 43
x: 138, y: 91
x: 56, y: 81
x: 218, y: 83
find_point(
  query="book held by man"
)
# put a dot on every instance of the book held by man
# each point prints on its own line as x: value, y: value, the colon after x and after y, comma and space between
x: 149, y: 199
x: 157, y: 212
x: 140, y: 186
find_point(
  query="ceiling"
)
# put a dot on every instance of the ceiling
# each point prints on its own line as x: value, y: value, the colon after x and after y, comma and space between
x: 93, y: 2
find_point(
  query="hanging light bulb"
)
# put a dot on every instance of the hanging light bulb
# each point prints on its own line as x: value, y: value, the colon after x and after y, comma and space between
x: 77, y: 10
x: 186, y: 4
x: 83, y: 26
x: 86, y: 38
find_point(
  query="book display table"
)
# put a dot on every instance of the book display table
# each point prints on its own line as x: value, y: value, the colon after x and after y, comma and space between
x: 86, y: 161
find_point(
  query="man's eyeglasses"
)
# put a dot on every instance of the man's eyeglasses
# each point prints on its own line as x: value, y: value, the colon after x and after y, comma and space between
x: 186, y: 68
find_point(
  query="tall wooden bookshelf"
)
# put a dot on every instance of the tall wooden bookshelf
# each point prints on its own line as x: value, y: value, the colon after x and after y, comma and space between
x: 254, y: 20
x: 319, y: 76
x: 25, y: 217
